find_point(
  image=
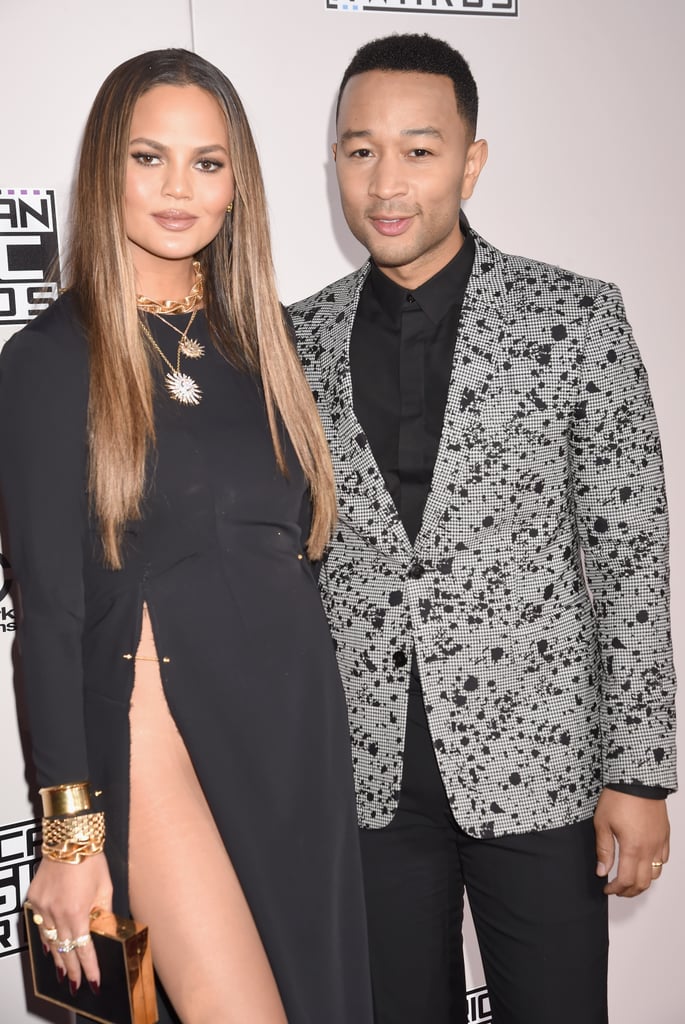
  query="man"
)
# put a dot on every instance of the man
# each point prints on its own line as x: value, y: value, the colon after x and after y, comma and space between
x: 489, y: 419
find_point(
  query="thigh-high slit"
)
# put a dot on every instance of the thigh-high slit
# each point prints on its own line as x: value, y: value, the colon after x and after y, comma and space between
x: 206, y: 948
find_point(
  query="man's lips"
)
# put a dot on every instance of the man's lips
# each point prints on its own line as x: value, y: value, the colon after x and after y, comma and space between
x: 391, y: 226
x: 174, y: 220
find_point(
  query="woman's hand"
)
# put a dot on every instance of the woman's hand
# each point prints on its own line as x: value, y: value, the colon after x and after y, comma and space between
x: 64, y: 895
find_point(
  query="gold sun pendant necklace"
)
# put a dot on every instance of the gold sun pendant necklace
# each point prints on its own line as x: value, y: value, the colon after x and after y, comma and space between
x: 181, y: 387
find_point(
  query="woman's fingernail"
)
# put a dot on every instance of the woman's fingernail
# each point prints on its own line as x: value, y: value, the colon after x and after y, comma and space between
x: 46, y: 949
x: 94, y: 987
x: 60, y: 972
x: 73, y: 987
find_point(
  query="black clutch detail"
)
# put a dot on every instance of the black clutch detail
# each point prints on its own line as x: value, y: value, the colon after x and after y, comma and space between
x: 127, y: 986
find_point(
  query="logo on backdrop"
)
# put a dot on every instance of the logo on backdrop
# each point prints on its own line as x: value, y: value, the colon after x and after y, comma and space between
x: 505, y: 7
x: 19, y: 855
x: 29, y: 272
x: 6, y: 609
x: 479, y: 1006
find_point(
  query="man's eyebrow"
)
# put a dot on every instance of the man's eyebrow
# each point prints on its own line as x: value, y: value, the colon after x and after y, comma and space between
x: 351, y: 134
x: 366, y: 133
x: 428, y: 130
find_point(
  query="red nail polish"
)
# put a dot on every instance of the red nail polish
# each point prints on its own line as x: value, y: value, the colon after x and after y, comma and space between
x: 94, y: 987
x: 60, y: 972
x: 73, y: 987
x: 46, y: 950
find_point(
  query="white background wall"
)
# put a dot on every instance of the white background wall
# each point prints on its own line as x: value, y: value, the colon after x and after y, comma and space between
x: 582, y: 105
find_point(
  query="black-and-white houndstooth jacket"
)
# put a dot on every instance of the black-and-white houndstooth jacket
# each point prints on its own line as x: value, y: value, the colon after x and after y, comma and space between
x: 536, y: 693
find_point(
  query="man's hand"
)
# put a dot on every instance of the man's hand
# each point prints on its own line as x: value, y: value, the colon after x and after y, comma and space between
x: 640, y: 827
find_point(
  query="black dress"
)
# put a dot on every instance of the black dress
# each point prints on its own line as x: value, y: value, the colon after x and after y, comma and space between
x: 251, y: 677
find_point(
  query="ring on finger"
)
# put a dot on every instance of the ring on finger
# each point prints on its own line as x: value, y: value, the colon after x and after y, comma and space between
x: 80, y: 941
x: 657, y: 864
x: 38, y: 919
x: 50, y: 934
x: 65, y: 946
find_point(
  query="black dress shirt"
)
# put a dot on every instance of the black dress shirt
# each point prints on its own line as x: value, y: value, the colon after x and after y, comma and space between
x: 401, y: 354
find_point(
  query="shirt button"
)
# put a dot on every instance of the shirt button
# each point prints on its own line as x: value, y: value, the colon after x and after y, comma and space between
x: 410, y: 298
x: 399, y: 659
x: 416, y: 571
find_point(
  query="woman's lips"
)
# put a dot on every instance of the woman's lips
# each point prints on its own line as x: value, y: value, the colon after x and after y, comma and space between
x: 174, y: 220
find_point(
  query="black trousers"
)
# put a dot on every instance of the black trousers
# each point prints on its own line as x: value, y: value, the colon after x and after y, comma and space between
x: 538, y: 909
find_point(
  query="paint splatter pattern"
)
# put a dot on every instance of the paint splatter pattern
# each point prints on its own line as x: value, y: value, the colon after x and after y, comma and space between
x: 536, y: 594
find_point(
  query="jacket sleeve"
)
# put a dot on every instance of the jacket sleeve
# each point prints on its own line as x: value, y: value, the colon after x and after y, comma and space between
x: 43, y: 408
x: 621, y: 512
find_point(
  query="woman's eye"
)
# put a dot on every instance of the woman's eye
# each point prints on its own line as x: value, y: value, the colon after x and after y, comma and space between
x: 146, y: 159
x: 210, y: 165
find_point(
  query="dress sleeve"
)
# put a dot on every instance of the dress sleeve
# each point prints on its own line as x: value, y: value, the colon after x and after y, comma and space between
x: 621, y: 512
x: 43, y: 410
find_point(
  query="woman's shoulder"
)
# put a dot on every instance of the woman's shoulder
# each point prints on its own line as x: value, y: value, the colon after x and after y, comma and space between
x: 53, y: 343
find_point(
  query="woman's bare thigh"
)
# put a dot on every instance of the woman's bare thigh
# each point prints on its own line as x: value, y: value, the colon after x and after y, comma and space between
x: 205, y: 944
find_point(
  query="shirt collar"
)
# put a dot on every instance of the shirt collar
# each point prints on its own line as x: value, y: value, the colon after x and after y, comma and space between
x: 436, y: 295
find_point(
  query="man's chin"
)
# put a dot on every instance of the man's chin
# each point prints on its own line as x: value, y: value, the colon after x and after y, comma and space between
x: 390, y: 257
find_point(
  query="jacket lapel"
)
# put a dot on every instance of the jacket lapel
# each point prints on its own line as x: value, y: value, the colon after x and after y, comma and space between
x: 363, y: 498
x: 471, y: 407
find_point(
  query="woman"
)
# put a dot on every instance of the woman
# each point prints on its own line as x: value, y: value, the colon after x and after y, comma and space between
x: 175, y: 651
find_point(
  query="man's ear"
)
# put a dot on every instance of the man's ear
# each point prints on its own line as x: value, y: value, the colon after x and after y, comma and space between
x: 476, y: 156
x: 334, y: 147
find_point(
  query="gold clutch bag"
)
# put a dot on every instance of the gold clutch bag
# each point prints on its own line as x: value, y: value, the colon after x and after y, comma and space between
x: 127, y: 986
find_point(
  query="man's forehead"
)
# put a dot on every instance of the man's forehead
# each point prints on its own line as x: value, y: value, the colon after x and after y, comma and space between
x: 378, y: 78
x: 415, y: 101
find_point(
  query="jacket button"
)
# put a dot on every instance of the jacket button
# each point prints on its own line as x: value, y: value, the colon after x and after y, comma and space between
x: 399, y: 659
x: 416, y: 571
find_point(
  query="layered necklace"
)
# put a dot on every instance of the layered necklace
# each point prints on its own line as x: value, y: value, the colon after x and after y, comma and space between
x: 181, y: 387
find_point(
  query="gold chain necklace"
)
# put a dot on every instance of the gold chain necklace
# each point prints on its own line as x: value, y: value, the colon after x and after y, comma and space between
x: 190, y: 347
x: 181, y: 387
x: 187, y: 305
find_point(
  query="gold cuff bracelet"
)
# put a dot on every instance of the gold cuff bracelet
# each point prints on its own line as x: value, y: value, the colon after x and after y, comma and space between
x: 61, y: 800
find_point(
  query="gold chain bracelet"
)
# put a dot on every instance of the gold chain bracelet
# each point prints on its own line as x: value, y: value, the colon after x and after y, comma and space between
x: 69, y: 840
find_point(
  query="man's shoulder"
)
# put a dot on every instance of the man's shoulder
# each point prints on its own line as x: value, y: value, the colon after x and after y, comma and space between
x: 332, y: 296
x: 518, y: 276
x: 497, y: 275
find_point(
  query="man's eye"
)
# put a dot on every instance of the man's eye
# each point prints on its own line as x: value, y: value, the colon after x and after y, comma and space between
x: 361, y: 152
x: 420, y: 152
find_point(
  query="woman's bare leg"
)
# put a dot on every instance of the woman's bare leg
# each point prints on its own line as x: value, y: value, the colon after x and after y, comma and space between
x: 205, y: 944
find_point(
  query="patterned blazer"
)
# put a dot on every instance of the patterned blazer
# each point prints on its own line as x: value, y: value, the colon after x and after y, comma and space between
x: 536, y: 593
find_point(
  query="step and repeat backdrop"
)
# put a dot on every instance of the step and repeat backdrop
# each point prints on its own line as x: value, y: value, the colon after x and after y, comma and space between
x: 581, y: 103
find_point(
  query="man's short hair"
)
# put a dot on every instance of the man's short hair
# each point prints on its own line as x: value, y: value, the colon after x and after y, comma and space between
x: 422, y: 53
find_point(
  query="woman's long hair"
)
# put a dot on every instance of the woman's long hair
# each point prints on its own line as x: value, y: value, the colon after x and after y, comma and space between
x: 243, y: 311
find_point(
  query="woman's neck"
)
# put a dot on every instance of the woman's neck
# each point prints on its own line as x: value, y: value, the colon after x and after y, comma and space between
x: 173, y: 282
